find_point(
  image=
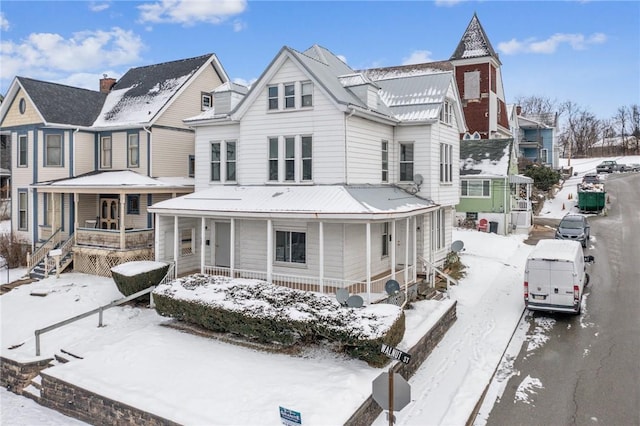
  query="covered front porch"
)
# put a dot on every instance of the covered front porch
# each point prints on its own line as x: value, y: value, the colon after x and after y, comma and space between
x: 366, y: 238
x: 101, y: 218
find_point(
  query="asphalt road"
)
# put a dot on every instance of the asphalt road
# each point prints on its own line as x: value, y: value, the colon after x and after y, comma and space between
x: 589, y: 369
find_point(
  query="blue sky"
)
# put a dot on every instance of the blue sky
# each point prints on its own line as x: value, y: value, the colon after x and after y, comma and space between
x: 587, y: 52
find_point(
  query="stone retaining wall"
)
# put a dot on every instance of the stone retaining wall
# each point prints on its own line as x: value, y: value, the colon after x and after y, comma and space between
x: 16, y: 376
x: 92, y: 408
x: 369, y: 411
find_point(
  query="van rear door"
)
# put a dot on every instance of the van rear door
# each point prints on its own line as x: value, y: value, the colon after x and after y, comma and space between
x: 550, y: 283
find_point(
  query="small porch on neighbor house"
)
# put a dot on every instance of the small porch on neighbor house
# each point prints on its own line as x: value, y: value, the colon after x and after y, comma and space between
x: 521, y: 188
x: 310, y: 250
x: 99, y: 226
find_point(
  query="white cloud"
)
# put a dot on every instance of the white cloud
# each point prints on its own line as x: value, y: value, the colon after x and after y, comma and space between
x: 417, y: 57
x: 239, y: 25
x: 247, y: 83
x: 98, y: 7
x: 52, y: 57
x: 190, y: 12
x: 447, y: 3
x: 551, y: 45
x: 342, y: 58
x: 4, y: 23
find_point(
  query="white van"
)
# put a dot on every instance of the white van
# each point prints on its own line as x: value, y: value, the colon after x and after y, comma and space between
x: 555, y: 276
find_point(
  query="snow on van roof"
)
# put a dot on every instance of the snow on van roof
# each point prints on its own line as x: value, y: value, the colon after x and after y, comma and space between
x: 556, y: 249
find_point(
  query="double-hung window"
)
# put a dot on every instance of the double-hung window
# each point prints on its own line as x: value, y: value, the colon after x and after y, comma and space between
x: 307, y: 94
x: 223, y: 161
x: 105, y: 152
x: 133, y: 203
x: 290, y: 158
x: 446, y: 113
x: 273, y: 158
x: 385, y: 161
x: 23, y: 210
x: 133, y: 150
x: 475, y: 188
x: 406, y: 161
x: 231, y: 161
x: 273, y: 97
x: 289, y: 96
x: 22, y: 150
x: 291, y: 247
x: 53, y: 150
x: 385, y: 239
x: 206, y: 101
x: 306, y: 159
x: 446, y: 163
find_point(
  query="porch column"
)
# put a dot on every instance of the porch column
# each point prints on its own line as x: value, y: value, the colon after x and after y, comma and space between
x: 269, y: 250
x: 321, y: 255
x: 406, y: 254
x: 368, y: 251
x: 232, y: 247
x: 415, y: 249
x: 202, y: 243
x: 176, y: 246
x: 75, y: 211
x: 156, y: 240
x: 393, y: 249
x: 53, y: 212
x: 122, y: 202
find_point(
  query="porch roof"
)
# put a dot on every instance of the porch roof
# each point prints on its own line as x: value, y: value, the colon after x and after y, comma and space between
x: 116, y: 181
x: 354, y: 202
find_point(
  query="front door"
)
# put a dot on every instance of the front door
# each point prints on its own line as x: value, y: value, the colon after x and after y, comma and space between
x: 108, y: 213
x: 223, y: 244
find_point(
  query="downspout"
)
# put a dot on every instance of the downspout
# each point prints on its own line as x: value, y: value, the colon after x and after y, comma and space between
x: 149, y: 148
x: 73, y: 154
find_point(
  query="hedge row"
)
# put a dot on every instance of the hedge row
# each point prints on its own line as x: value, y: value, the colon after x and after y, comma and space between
x: 266, y: 313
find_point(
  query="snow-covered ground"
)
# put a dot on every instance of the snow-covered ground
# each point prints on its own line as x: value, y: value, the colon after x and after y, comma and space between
x: 212, y: 382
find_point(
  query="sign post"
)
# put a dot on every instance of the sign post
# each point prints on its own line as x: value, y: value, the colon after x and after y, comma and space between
x: 290, y: 417
x: 390, y: 390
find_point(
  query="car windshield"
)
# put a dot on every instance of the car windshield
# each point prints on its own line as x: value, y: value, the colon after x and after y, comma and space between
x: 571, y: 223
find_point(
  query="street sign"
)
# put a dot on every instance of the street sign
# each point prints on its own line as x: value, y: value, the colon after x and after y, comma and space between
x: 401, y: 391
x: 290, y: 417
x: 396, y: 354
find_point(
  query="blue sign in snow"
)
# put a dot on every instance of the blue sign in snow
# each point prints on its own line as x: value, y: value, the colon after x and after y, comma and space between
x: 290, y: 417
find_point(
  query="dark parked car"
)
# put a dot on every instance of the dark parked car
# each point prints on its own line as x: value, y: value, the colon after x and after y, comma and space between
x: 591, y: 178
x: 574, y: 227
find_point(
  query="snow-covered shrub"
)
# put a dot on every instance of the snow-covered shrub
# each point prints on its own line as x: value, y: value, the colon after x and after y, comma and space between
x: 267, y: 313
x: 132, y: 277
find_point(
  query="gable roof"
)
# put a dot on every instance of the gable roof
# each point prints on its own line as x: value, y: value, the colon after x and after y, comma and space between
x: 81, y: 106
x: 485, y: 157
x: 139, y: 96
x: 474, y: 43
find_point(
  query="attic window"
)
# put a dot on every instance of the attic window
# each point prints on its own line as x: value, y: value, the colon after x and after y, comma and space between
x: 22, y: 106
x: 446, y: 113
x: 307, y: 94
x: 206, y: 101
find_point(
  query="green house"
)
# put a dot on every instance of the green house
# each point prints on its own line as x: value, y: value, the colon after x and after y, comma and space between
x: 493, y: 196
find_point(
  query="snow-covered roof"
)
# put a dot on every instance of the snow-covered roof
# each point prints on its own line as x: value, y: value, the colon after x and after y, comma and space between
x: 142, y: 92
x: 485, y: 158
x: 317, y: 201
x: 117, y: 179
x: 474, y: 43
x: 565, y: 250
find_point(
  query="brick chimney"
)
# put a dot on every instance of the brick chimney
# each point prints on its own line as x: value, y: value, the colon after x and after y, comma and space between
x: 106, y: 83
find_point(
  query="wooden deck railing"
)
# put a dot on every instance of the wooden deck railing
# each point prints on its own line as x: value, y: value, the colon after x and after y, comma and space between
x: 110, y: 238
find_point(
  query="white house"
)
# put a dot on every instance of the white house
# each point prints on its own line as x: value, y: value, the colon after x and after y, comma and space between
x: 320, y: 178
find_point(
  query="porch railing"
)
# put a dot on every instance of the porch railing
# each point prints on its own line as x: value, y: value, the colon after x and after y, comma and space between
x: 523, y: 205
x: 65, y: 249
x: 313, y: 283
x: 433, y: 271
x: 42, y: 251
x: 110, y: 238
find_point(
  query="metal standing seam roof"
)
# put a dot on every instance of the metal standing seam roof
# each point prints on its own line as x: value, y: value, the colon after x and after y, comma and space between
x: 113, y: 179
x: 60, y: 104
x: 315, y: 201
x: 416, y: 98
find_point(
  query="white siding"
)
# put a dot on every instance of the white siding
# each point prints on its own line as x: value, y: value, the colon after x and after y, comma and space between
x: 364, y: 154
x: 50, y: 173
x: 170, y: 150
x: 323, y: 122
x: 204, y: 136
x: 84, y: 152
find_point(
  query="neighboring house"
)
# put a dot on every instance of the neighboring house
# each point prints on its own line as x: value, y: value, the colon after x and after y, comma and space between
x: 478, y: 74
x: 491, y: 189
x: 87, y: 164
x: 319, y: 178
x: 536, y: 139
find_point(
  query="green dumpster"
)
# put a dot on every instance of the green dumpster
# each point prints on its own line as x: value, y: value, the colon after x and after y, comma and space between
x: 591, y: 201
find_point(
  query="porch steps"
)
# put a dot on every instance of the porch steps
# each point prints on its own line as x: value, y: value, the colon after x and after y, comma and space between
x: 38, y: 271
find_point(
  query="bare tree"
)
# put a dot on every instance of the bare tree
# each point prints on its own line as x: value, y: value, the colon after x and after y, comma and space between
x: 621, y: 119
x: 582, y: 130
x: 635, y: 126
x: 536, y: 105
